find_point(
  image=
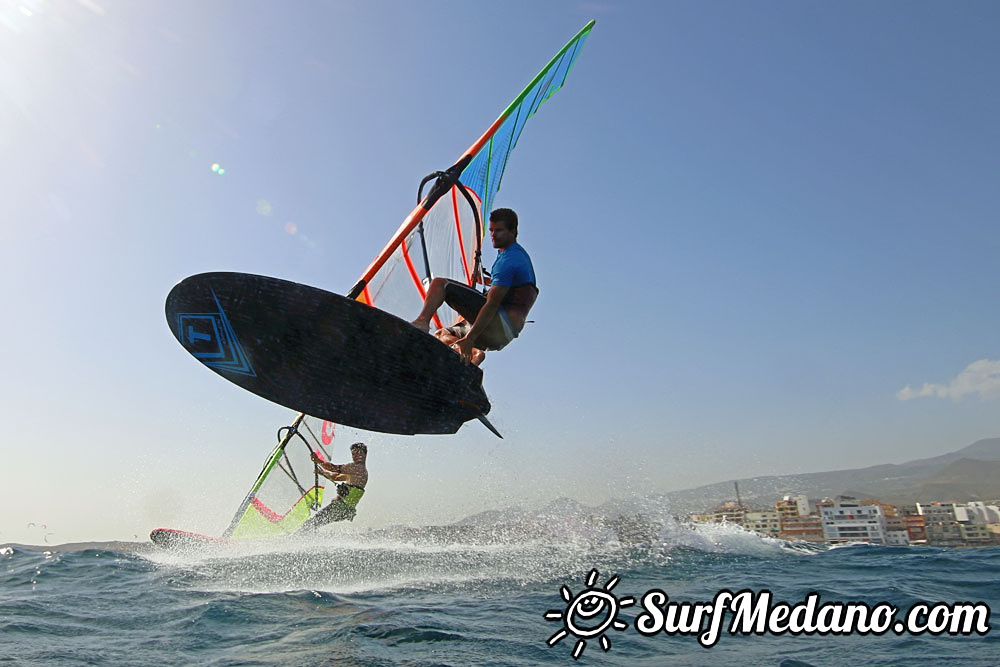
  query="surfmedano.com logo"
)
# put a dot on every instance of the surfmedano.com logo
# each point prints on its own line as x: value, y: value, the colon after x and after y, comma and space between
x: 593, y: 611
x: 589, y: 614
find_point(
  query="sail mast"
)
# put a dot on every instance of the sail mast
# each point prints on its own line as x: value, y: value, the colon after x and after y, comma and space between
x: 479, y: 168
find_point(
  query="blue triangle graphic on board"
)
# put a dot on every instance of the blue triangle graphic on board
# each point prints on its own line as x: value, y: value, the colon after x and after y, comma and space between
x: 210, y: 338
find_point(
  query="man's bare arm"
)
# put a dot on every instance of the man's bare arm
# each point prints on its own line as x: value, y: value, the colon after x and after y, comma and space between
x: 332, y: 471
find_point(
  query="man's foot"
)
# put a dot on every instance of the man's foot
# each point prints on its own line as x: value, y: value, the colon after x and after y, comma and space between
x: 477, y: 358
x: 423, y: 325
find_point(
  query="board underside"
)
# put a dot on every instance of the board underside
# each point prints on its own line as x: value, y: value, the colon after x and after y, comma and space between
x: 324, y: 354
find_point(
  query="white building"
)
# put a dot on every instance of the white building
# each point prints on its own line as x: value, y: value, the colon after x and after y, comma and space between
x: 980, y: 512
x: 897, y: 538
x: 847, y: 521
x: 937, y: 512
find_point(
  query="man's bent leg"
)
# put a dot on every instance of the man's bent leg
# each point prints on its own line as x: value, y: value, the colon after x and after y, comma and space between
x: 337, y: 510
x: 467, y: 302
x: 433, y: 301
x: 464, y: 300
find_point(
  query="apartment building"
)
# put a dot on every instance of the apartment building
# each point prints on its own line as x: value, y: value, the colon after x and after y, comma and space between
x: 791, y: 507
x: 806, y: 528
x: 849, y: 521
x: 764, y: 523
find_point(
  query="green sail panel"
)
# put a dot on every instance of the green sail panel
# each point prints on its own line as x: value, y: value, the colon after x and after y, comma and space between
x: 288, y: 488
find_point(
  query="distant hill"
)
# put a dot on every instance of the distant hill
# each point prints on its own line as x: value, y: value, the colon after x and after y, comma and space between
x: 971, y: 473
x: 930, y: 479
x: 962, y: 481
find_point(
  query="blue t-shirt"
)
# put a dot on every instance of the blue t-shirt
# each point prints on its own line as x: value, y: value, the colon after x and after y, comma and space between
x: 512, y: 268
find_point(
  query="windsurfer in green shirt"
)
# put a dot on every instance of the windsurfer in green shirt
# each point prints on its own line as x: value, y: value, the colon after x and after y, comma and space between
x: 352, y: 479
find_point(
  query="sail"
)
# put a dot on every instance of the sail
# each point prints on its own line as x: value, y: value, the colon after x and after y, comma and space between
x: 441, y: 237
x: 288, y: 489
x: 489, y: 154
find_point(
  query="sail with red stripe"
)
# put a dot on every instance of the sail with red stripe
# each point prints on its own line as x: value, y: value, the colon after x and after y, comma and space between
x: 443, y: 235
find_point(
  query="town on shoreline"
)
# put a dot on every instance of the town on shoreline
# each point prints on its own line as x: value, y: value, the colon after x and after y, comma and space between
x: 846, y: 519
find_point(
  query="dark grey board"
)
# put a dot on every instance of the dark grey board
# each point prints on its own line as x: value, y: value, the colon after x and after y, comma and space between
x: 324, y: 354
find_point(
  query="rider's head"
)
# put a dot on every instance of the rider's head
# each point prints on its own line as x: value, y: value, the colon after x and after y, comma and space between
x: 507, y: 217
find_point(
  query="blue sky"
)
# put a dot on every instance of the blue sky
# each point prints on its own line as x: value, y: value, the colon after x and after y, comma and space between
x: 765, y: 237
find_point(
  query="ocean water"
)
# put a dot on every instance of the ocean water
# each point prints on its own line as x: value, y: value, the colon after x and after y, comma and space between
x: 470, y: 594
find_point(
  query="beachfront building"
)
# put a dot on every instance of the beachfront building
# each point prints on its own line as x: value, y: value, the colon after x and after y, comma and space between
x: 913, y: 521
x: 820, y: 504
x: 937, y: 512
x: 974, y: 534
x: 896, y: 534
x: 791, y: 507
x: 895, y: 529
x: 941, y: 524
x: 944, y: 534
x: 849, y: 521
x: 806, y: 528
x: 763, y: 523
x: 897, y: 538
x: 729, y: 513
x: 979, y: 512
x: 974, y: 522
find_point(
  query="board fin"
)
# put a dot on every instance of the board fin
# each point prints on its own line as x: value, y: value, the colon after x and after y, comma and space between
x: 486, y: 422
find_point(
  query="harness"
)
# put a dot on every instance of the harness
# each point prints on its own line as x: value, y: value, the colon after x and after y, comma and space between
x: 349, y: 494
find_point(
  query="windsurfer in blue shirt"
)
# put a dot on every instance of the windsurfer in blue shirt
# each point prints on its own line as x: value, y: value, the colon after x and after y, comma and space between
x: 498, y: 317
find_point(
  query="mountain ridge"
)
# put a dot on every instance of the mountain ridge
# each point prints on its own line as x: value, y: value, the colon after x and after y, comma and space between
x: 890, y: 482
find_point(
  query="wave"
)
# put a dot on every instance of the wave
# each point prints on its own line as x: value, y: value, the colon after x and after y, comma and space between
x: 511, y: 547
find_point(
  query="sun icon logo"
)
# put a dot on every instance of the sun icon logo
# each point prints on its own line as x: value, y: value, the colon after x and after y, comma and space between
x: 588, y: 614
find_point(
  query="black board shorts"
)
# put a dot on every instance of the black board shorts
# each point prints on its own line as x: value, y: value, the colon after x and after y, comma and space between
x: 467, y: 302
